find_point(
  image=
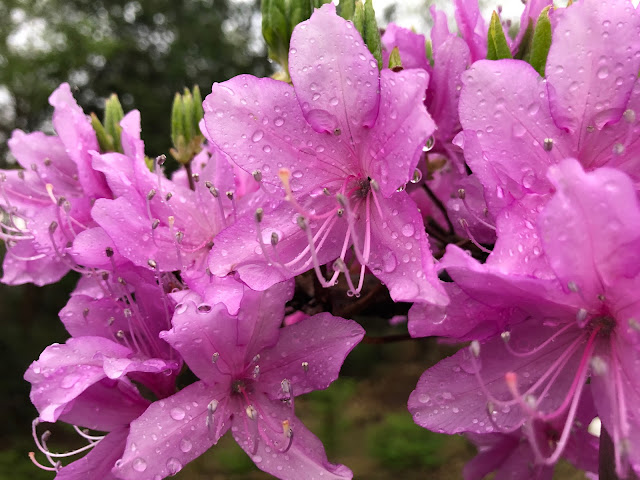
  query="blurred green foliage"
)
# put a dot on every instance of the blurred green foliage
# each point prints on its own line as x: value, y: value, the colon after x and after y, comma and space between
x: 143, y: 50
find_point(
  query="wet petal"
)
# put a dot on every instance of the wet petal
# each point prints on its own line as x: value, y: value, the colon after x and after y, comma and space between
x: 337, y: 84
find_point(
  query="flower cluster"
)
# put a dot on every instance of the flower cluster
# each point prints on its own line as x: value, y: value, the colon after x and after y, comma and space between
x: 490, y: 181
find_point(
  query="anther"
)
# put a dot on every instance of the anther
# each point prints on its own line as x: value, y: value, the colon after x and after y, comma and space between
x: 259, y: 215
x: 491, y: 409
x: 274, y: 239
x: 85, y: 313
x: 530, y: 400
x: 208, y: 184
x: 21, y: 174
x: 286, y: 386
x: 326, y: 191
x: 109, y: 252
x: 212, y: 407
x: 257, y: 175
x: 305, y: 366
x: 127, y: 313
x: 462, y: 193
x: 252, y: 413
x: 47, y: 162
x: 573, y: 287
x: 151, y: 194
x: 122, y: 281
x: 286, y: 428
x: 152, y: 263
x: 342, y: 200
x: 547, y: 144
x: 302, y: 222
x: 474, y: 348
x: 179, y: 237
x: 111, y: 321
x: 506, y: 336
x: 214, y: 191
x: 160, y: 159
x: 215, y: 357
x: 375, y: 186
x: 256, y: 371
x: 61, y: 201
x: 155, y: 223
x: 120, y: 334
x: 340, y: 212
x: 229, y: 195
x: 196, y: 177
x: 53, y: 226
x: 337, y: 132
x: 168, y: 196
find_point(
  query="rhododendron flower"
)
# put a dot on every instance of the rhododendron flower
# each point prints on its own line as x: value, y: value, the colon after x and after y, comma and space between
x: 341, y: 142
x: 250, y: 371
x: 557, y: 333
x: 48, y: 202
x: 516, y: 124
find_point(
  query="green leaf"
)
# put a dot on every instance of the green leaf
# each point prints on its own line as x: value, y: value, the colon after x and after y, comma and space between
x: 541, y: 42
x: 300, y: 10
x: 319, y: 3
x: 372, y: 32
x: 113, y: 114
x: 497, y: 46
x: 347, y: 9
x: 358, y: 18
x: 395, y: 62
x: 524, y: 49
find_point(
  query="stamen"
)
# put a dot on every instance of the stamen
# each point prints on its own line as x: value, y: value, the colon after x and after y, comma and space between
x: 462, y: 195
x: 464, y: 224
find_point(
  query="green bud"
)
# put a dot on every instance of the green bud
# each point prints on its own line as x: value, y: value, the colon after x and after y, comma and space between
x: 106, y: 143
x: 541, y: 42
x: 497, y: 47
x: 395, y: 62
x: 275, y: 30
x: 113, y: 114
x: 347, y: 9
x: 177, y: 121
x: 358, y: 17
x: 429, y: 51
x: 372, y: 32
x: 197, y: 101
x: 185, y: 116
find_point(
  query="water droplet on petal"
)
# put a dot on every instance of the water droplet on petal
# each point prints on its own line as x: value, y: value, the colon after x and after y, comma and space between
x: 417, y: 176
x: 174, y: 466
x: 139, y: 464
x: 257, y: 136
x: 177, y: 413
x: 408, y: 230
x: 185, y: 445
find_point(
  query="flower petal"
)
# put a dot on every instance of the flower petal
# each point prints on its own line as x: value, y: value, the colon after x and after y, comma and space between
x: 309, y: 354
x: 394, y: 144
x: 336, y: 83
x: 171, y: 433
x: 306, y: 456
x: 590, y: 82
x: 400, y: 254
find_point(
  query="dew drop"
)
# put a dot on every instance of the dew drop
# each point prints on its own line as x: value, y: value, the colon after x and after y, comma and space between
x: 177, y: 413
x: 408, y: 230
x: 257, y: 136
x: 139, y: 464
x: 173, y: 465
x: 185, y: 445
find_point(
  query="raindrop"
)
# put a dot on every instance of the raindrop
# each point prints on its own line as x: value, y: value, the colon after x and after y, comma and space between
x: 417, y: 176
x: 257, y: 136
x: 139, y: 464
x: 177, y: 413
x: 603, y: 72
x: 408, y: 230
x: 173, y: 465
x: 185, y: 445
x: 431, y: 141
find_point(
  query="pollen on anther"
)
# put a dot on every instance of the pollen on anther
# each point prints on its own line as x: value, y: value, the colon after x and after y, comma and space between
x: 305, y: 366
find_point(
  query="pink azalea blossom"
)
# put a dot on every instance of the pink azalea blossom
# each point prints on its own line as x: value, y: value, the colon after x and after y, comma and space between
x: 557, y: 332
x: 516, y: 124
x: 341, y: 142
x: 48, y: 202
x: 251, y: 370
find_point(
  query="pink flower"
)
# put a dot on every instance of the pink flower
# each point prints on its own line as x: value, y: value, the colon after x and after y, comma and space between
x: 557, y: 333
x: 516, y: 124
x: 341, y: 141
x: 250, y: 371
